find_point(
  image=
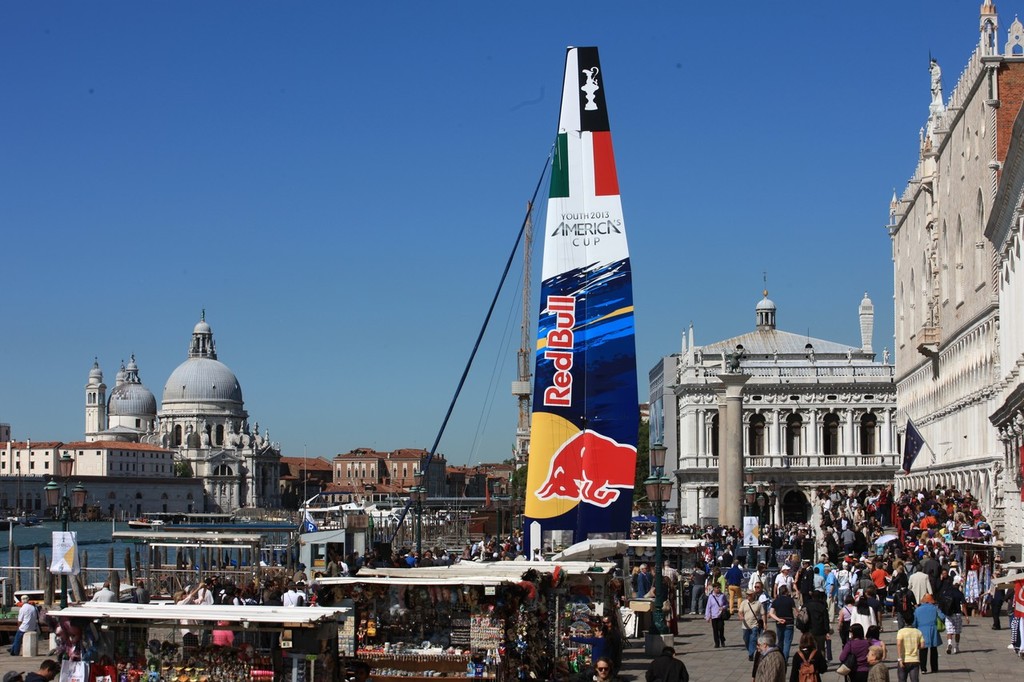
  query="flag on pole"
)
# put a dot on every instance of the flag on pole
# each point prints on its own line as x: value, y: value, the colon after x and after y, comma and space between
x: 912, y: 444
x: 308, y: 525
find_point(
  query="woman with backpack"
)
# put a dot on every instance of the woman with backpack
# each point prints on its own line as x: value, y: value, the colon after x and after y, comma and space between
x: 808, y: 662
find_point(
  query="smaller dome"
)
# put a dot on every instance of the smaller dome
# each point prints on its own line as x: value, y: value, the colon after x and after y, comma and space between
x: 96, y: 373
x: 765, y: 303
x: 131, y: 400
x: 202, y: 328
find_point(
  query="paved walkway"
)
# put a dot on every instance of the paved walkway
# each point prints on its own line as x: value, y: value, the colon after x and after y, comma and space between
x: 983, y: 655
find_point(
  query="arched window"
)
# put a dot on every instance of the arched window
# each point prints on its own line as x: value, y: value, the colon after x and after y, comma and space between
x: 830, y: 434
x: 756, y: 436
x: 794, y: 427
x: 220, y: 434
x: 223, y: 470
x: 868, y: 434
x: 944, y: 267
x: 912, y: 314
x: 177, y: 434
x: 981, y: 274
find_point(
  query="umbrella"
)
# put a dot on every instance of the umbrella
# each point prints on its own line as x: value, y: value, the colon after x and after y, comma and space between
x: 591, y: 550
x: 886, y: 539
x: 972, y: 533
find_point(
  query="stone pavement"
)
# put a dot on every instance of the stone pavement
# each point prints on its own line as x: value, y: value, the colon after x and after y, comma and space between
x: 983, y: 655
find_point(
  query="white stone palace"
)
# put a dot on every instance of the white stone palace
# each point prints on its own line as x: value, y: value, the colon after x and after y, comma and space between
x: 814, y: 413
x: 956, y: 241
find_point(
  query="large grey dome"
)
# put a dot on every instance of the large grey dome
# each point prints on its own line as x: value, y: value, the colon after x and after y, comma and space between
x: 202, y: 379
x: 131, y: 400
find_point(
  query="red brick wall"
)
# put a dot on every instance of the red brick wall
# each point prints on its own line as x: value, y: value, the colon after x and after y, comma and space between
x: 1011, y: 96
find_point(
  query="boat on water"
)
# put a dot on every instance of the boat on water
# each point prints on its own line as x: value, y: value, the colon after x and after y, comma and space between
x: 146, y: 524
x: 585, y: 416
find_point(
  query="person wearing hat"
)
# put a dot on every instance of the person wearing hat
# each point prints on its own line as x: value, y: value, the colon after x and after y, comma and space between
x: 783, y: 579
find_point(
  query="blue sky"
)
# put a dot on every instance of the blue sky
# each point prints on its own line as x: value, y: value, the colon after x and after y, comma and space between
x: 339, y: 185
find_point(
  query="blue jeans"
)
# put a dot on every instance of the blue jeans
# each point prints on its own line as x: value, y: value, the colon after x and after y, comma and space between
x: 750, y: 640
x: 697, y: 600
x: 16, y: 644
x: 784, y: 633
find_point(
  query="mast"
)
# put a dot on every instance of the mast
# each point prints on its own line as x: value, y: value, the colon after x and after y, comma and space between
x: 521, y: 387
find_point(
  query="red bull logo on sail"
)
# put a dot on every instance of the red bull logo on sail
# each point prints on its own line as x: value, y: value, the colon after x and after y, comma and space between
x: 560, y: 342
x: 589, y: 468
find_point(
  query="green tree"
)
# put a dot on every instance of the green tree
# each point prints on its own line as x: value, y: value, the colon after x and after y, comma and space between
x: 183, y: 469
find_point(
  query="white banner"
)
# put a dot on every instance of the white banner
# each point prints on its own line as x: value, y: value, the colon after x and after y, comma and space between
x: 750, y: 531
x: 65, y: 553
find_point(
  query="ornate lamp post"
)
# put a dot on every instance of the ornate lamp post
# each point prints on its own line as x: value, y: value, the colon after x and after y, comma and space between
x: 419, y: 494
x: 659, y: 491
x: 62, y: 505
x: 772, y: 497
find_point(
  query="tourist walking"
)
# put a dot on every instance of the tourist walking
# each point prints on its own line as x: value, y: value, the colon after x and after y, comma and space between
x: 909, y: 644
x: 955, y: 607
x: 771, y: 664
x: 783, y: 613
x: 926, y: 619
x: 733, y: 582
x: 752, y: 622
x: 808, y: 658
x: 715, y: 613
x: 878, y: 670
x: 856, y: 651
x: 667, y: 668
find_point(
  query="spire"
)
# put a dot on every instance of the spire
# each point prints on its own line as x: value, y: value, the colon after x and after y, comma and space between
x: 989, y: 27
x: 867, y: 323
x: 893, y: 207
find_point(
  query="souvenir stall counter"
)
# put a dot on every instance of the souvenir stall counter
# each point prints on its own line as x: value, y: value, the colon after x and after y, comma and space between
x: 411, y: 628
x: 500, y: 621
x: 115, y: 642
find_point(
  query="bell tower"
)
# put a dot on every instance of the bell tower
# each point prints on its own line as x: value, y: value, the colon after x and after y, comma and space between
x: 95, y: 403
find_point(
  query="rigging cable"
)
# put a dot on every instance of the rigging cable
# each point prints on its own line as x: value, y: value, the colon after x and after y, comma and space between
x: 479, y: 338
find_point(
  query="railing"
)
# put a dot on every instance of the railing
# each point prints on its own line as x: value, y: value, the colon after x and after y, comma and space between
x: 817, y: 461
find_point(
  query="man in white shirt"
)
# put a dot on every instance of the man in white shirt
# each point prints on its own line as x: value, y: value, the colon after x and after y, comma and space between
x: 758, y: 576
x: 292, y: 597
x: 28, y: 621
x: 105, y: 594
x: 783, y: 578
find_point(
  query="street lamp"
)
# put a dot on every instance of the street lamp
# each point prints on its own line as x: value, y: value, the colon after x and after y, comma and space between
x: 62, y: 505
x: 659, y: 491
x: 419, y: 494
x: 772, y: 497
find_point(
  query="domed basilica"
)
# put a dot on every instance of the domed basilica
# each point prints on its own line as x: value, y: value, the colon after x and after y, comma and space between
x: 202, y: 419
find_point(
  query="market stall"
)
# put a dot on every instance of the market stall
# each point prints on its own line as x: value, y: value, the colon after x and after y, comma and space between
x: 499, y: 620
x: 199, y: 643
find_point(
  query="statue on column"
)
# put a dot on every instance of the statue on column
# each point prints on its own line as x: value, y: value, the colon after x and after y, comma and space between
x: 936, y: 73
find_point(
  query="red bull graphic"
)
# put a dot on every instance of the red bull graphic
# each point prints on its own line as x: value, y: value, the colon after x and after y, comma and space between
x: 583, y: 433
x: 590, y: 468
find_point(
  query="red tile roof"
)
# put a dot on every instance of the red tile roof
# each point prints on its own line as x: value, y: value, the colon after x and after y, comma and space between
x: 112, y: 445
x: 36, y: 445
x: 307, y: 463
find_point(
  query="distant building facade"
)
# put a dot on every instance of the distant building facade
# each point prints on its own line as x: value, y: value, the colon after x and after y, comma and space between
x: 814, y: 413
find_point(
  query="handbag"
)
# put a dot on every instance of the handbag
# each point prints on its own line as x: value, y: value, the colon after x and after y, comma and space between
x: 848, y: 665
x: 74, y: 671
x: 940, y: 623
